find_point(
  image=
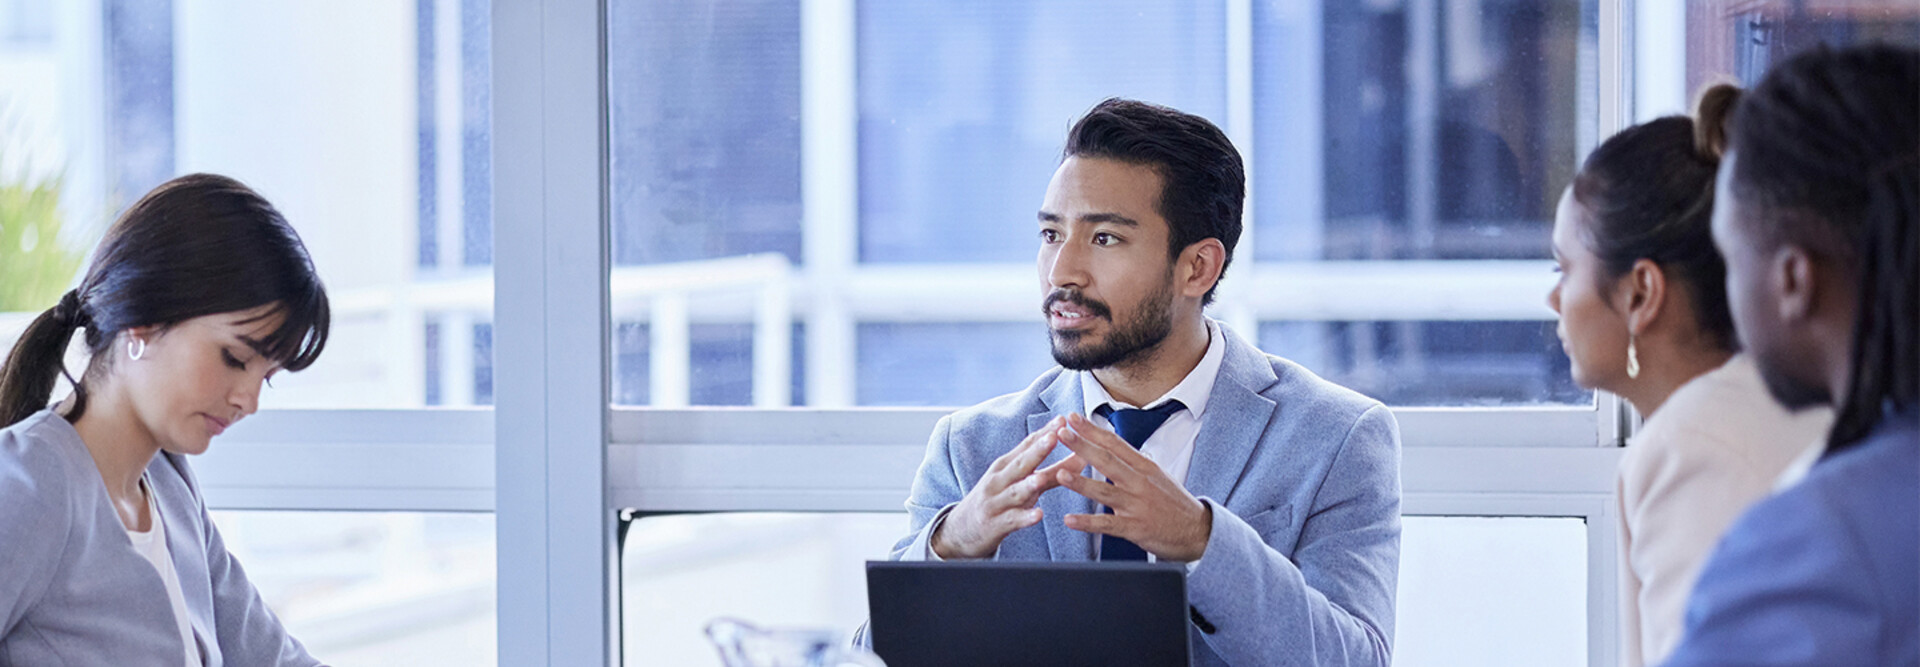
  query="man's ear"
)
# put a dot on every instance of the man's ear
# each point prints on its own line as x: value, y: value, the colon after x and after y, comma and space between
x: 1793, y: 275
x: 1198, y: 267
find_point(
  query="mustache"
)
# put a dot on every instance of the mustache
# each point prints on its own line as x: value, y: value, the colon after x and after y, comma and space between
x: 1093, y: 306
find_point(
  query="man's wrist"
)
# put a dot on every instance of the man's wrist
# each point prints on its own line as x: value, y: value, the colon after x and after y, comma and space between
x: 1203, y: 532
x: 938, y: 547
x: 938, y: 541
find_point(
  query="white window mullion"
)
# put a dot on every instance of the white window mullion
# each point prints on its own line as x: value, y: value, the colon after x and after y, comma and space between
x: 830, y: 229
x: 554, y: 534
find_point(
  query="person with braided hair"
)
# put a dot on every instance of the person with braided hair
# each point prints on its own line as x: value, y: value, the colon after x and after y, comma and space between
x: 199, y: 293
x: 1818, y: 216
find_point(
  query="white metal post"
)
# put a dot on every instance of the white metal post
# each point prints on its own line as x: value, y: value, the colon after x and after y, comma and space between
x: 669, y: 351
x: 773, y: 345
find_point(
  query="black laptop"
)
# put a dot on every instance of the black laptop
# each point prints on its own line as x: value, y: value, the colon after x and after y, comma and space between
x: 932, y: 614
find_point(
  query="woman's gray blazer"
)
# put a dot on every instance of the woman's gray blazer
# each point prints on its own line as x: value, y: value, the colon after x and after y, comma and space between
x: 74, y: 592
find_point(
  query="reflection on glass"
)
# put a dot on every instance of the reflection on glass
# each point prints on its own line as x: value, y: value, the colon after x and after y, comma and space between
x: 374, y: 588
x: 1433, y: 363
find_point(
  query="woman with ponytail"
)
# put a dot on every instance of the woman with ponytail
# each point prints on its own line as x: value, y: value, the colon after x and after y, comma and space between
x: 1643, y: 314
x: 198, y: 294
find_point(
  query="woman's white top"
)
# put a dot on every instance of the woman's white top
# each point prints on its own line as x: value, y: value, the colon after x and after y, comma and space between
x: 152, y: 545
x: 1717, y: 446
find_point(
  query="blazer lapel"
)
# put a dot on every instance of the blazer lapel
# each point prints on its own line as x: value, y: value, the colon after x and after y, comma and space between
x: 1062, y: 398
x: 1236, y: 418
x: 185, y: 543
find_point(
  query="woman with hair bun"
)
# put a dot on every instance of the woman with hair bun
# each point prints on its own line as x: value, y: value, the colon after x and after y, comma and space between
x: 199, y: 293
x: 1643, y: 314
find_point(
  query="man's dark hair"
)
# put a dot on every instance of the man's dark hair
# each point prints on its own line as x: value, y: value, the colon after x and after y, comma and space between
x: 1203, y: 183
x: 1828, y: 158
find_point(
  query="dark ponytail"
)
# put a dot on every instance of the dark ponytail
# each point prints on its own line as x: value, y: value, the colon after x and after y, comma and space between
x: 1829, y: 146
x: 37, y: 360
x: 1647, y: 193
x: 197, y: 245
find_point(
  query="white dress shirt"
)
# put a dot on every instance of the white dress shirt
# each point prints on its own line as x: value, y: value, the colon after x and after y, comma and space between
x: 1170, y: 446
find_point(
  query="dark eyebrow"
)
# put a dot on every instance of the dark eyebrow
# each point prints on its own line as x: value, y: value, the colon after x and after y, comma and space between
x: 1095, y: 218
x: 1113, y: 218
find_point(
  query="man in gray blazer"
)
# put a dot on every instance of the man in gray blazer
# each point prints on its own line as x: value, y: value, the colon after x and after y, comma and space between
x: 1165, y: 436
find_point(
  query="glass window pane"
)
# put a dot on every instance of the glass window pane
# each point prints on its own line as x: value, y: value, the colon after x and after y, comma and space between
x: 1374, y: 131
x: 365, y: 122
x: 705, y: 120
x: 1492, y: 591
x: 679, y: 572
x: 964, y: 108
x: 374, y: 588
x: 948, y: 364
x: 1434, y: 362
x: 1411, y: 130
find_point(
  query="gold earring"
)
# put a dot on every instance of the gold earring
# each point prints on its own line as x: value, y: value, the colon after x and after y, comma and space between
x: 1633, y: 357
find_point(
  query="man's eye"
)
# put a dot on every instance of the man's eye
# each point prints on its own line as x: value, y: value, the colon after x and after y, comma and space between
x: 1104, y: 238
x: 1049, y: 235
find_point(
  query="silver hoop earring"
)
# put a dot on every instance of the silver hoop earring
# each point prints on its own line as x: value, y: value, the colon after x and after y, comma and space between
x: 136, y: 349
x: 1633, y: 358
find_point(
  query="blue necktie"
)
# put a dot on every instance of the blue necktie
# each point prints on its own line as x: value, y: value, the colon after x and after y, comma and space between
x: 1133, y: 426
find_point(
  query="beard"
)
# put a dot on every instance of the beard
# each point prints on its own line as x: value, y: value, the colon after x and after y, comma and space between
x: 1790, y: 392
x: 1125, y: 342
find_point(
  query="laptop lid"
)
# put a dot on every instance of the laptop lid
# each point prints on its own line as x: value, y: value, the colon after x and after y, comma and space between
x: 931, y: 614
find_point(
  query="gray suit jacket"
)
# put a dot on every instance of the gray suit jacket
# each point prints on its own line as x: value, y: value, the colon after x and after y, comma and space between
x: 1303, y: 477
x: 74, y: 592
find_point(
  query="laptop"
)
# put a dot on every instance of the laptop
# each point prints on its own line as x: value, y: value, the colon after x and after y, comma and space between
x: 932, y: 614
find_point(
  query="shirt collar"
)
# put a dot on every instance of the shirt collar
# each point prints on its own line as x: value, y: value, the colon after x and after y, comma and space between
x: 1193, y: 391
